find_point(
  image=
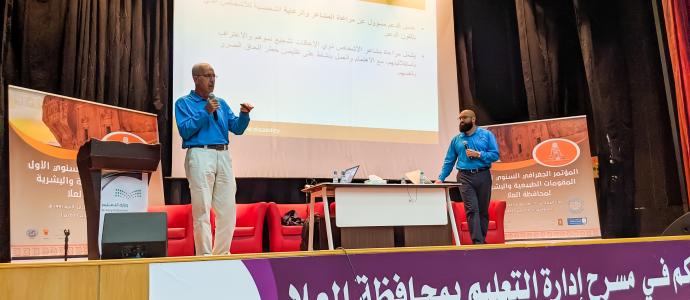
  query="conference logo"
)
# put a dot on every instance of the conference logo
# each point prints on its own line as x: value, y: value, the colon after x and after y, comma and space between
x: 121, y: 193
x: 577, y: 221
x: 576, y: 205
x: 556, y: 153
x: 31, y: 232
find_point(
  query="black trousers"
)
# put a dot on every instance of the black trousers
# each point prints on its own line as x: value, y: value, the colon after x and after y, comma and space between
x: 475, y: 191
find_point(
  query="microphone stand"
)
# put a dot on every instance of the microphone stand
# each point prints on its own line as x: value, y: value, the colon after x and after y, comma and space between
x: 66, y: 242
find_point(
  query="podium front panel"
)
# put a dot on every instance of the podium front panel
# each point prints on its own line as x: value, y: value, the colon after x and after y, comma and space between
x: 386, y: 206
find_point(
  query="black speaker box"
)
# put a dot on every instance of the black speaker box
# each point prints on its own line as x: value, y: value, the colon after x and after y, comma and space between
x: 134, y: 235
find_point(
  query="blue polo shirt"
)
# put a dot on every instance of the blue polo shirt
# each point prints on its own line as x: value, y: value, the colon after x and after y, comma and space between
x: 198, y: 127
x: 481, y: 140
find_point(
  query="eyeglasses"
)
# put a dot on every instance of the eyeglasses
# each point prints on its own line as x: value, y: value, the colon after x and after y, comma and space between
x: 214, y: 76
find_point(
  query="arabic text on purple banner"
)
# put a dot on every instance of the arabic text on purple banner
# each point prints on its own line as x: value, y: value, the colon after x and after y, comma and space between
x: 633, y: 270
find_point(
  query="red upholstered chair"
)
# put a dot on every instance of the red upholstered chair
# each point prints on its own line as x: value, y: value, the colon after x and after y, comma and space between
x: 495, y: 234
x: 180, y: 228
x: 318, y: 207
x: 285, y: 238
x: 249, y: 228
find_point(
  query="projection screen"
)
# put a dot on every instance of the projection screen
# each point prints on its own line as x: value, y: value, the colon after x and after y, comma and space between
x: 335, y: 83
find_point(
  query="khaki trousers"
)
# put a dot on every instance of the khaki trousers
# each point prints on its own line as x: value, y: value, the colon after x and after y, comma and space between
x: 211, y: 184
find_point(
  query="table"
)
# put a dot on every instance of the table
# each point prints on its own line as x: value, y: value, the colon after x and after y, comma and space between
x: 418, y: 207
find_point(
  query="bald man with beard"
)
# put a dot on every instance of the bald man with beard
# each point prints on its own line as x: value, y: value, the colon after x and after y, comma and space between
x: 472, y: 152
x: 204, y: 121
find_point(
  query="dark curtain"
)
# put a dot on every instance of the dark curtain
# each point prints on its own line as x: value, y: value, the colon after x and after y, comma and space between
x: 488, y: 58
x: 112, y: 52
x: 658, y: 198
x: 552, y: 57
x: 552, y: 66
x: 607, y: 76
x: 601, y: 58
x: 534, y: 59
x: 4, y: 163
x: 551, y: 60
x: 639, y: 188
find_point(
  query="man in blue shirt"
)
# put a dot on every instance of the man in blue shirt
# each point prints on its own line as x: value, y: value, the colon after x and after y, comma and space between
x: 204, y: 121
x: 474, y: 149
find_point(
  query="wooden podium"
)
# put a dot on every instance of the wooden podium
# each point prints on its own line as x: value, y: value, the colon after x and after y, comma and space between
x: 95, y: 156
x: 367, y: 213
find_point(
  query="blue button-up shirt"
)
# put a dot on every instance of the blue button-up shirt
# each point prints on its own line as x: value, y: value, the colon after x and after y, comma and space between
x: 481, y: 140
x: 198, y: 127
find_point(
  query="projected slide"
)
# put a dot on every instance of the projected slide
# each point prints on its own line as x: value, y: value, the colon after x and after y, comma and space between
x: 334, y: 83
x: 359, y: 70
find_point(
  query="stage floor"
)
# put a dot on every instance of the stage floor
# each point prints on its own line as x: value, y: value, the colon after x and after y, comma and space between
x: 614, y: 268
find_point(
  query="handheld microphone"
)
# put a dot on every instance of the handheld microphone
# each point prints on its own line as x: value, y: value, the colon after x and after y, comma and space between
x: 467, y: 147
x: 211, y: 96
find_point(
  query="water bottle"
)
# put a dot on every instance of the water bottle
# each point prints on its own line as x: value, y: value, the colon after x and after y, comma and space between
x: 342, y: 177
x: 403, y: 180
x: 422, y: 178
x: 335, y: 177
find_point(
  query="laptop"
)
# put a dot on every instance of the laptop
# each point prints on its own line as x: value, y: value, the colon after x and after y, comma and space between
x: 349, y: 174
